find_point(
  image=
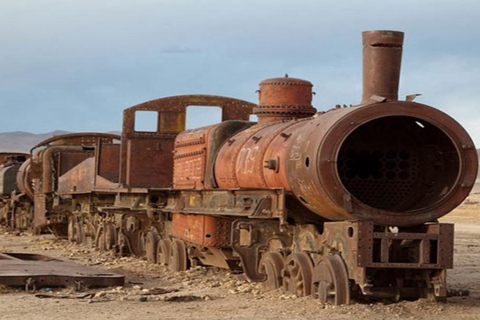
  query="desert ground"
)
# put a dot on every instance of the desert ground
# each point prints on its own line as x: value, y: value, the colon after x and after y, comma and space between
x: 152, y: 292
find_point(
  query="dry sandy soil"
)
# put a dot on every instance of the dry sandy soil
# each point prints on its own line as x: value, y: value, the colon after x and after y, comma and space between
x: 217, y: 294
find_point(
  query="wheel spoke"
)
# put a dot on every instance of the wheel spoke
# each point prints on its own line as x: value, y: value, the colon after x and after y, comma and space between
x: 298, y: 275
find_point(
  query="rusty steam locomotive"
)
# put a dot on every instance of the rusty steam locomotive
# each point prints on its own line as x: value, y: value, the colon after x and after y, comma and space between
x: 332, y: 204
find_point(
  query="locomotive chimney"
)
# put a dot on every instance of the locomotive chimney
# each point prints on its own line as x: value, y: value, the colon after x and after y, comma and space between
x: 382, y: 57
x: 284, y: 99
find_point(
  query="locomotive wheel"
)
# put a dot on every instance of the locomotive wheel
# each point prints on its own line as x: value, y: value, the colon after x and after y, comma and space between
x: 100, y: 238
x: 163, y: 252
x: 77, y: 232
x: 141, y: 244
x: 71, y: 224
x: 151, y: 243
x: 110, y: 236
x: 88, y: 235
x: 330, y: 281
x: 122, y: 247
x: 297, y: 274
x: 178, y: 256
x: 271, y: 265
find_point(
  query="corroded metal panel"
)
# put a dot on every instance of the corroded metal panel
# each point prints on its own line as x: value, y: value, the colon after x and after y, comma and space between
x: 382, y: 56
x: 255, y: 203
x: 79, y: 179
x: 68, y: 160
x: 149, y: 164
x: 79, y: 139
x: 8, y: 179
x: 109, y: 161
x: 196, y: 151
x: 202, y: 230
x: 190, y: 157
x: 35, y: 271
x: 284, y: 99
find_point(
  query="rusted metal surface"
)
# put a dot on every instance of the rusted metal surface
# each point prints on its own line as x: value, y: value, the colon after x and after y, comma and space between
x: 108, y: 162
x: 63, y: 164
x: 271, y: 266
x: 63, y: 160
x: 382, y: 56
x: 376, y: 256
x: 253, y: 238
x: 344, y: 165
x: 80, y: 139
x: 24, y: 179
x: 151, y: 243
x: 195, y: 154
x: 9, y: 157
x: 202, y: 230
x: 64, y: 152
x: 253, y: 159
x: 8, y: 178
x: 85, y: 170
x: 330, y: 283
x: 79, y: 180
x: 388, y: 179
x: 297, y: 274
x: 35, y: 271
x: 284, y: 99
x: 163, y: 251
x: 255, y: 203
x: 10, y: 163
x: 147, y: 158
x: 178, y: 256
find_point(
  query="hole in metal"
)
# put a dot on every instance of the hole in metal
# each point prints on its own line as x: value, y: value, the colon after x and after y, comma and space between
x: 350, y: 232
x: 394, y: 163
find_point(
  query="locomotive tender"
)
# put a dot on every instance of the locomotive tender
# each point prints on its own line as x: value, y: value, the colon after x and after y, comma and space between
x: 335, y: 204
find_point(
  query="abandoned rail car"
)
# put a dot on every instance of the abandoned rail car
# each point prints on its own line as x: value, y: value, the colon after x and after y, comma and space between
x: 333, y: 204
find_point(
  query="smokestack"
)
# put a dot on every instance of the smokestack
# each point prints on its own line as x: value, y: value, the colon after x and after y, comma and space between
x: 382, y: 58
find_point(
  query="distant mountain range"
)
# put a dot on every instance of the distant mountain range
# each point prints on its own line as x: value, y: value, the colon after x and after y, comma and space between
x: 21, y: 141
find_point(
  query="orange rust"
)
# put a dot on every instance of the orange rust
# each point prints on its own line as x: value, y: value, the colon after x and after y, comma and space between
x: 284, y: 99
x: 203, y: 230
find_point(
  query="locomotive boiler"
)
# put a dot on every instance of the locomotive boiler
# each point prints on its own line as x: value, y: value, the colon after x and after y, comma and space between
x: 335, y: 204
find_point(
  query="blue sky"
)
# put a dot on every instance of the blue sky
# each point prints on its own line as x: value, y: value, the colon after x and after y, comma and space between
x: 75, y: 65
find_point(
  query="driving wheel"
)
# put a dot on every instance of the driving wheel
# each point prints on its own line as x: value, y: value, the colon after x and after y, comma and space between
x: 163, y: 251
x: 271, y: 265
x: 297, y: 274
x: 110, y: 236
x: 151, y: 243
x: 178, y: 256
x: 330, y: 281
